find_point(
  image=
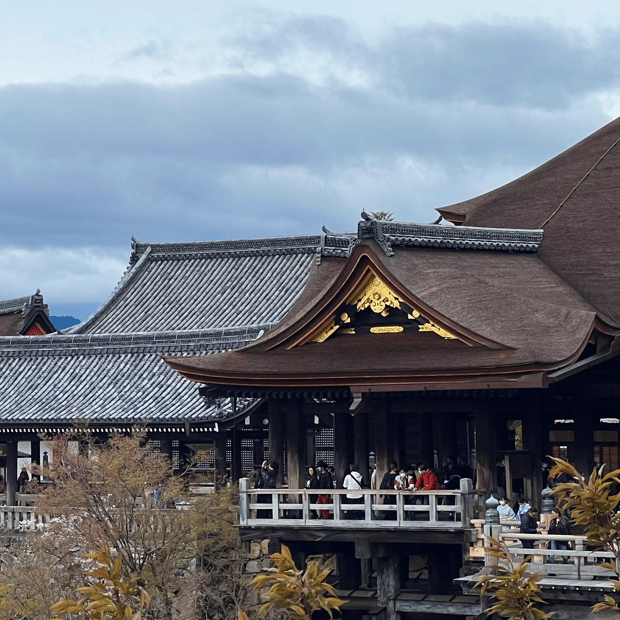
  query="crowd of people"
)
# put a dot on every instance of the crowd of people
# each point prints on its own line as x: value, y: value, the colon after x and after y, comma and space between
x: 408, y: 478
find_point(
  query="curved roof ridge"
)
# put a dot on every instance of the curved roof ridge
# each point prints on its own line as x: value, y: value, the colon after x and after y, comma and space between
x: 181, y: 341
x: 236, y: 245
x: 128, y: 276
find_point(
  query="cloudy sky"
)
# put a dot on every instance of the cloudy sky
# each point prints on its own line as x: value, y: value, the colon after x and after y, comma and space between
x: 218, y: 119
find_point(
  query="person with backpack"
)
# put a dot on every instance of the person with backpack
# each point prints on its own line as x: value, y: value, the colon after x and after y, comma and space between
x: 354, y: 481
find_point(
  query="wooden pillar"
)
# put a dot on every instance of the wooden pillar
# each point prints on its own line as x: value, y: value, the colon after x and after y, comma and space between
x: 311, y: 442
x: 11, y: 471
x: 485, y: 449
x: 35, y: 455
x: 343, y: 445
x: 532, y: 422
x: 360, y: 444
x: 443, y: 562
x: 380, y: 442
x: 220, y: 457
x: 426, y: 435
x: 585, y: 422
x: 276, y: 436
x: 444, y: 438
x: 349, y: 570
x: 296, y: 446
x: 235, y: 466
x: 388, y: 583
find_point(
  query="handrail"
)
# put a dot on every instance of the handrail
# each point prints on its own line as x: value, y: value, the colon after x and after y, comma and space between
x: 577, y: 562
x: 295, y: 507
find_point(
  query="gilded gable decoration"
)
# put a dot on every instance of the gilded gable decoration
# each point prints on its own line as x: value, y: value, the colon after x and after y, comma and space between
x: 375, y: 295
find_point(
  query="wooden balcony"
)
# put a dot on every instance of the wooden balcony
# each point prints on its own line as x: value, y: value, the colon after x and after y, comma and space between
x: 378, y: 510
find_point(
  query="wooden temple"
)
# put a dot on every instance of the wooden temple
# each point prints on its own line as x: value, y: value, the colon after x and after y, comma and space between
x: 494, y: 338
x: 491, y: 336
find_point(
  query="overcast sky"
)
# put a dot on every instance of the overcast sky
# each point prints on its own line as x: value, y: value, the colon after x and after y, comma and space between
x: 216, y: 119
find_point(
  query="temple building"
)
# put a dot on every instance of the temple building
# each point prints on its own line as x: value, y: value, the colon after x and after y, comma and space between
x: 491, y: 335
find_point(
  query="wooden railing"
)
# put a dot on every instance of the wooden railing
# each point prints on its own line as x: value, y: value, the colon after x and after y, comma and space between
x: 298, y: 507
x: 577, y: 562
x: 21, y: 518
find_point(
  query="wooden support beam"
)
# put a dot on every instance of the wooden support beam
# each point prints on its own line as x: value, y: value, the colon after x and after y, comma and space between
x: 11, y: 471
x: 276, y: 436
x: 296, y: 445
x: 379, y: 441
x: 220, y: 455
x: 485, y: 449
x: 533, y: 429
x: 343, y: 445
x: 388, y: 579
x: 349, y: 571
x: 360, y: 444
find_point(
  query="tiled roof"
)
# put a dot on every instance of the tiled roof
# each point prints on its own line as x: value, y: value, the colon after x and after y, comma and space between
x: 181, y: 286
x: 12, y: 306
x: 117, y: 379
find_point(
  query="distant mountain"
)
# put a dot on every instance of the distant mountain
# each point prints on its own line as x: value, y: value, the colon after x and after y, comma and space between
x: 62, y: 322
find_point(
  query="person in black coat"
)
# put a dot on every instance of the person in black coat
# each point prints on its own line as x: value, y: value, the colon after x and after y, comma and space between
x: 529, y: 525
x: 266, y: 478
x: 312, y: 482
x: 325, y: 482
x: 558, y: 526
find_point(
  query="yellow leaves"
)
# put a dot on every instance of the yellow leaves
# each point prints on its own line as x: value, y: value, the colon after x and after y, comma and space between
x: 514, y: 591
x: 112, y: 597
x: 299, y: 593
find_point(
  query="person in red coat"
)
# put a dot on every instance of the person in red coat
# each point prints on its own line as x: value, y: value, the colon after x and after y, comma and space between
x: 427, y: 480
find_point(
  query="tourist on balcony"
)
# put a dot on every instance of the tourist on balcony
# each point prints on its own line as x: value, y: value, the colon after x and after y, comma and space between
x: 312, y: 482
x: 504, y: 509
x: 325, y: 482
x: 266, y: 479
x: 524, y: 507
x: 22, y: 480
x: 529, y: 525
x: 388, y: 483
x: 354, y: 481
x: 405, y: 482
x: 558, y: 525
x: 427, y: 480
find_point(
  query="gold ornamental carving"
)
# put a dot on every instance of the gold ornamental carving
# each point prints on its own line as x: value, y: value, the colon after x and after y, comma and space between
x: 378, y: 297
x: 431, y: 327
x: 386, y: 329
x: 325, y: 333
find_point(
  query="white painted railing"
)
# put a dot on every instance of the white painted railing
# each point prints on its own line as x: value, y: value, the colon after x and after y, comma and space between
x: 21, y: 518
x: 295, y: 507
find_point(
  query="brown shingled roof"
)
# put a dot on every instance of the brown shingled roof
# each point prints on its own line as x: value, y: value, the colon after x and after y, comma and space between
x: 575, y: 198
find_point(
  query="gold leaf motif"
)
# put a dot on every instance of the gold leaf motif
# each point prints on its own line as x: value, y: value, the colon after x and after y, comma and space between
x: 377, y: 296
x: 326, y: 333
x: 345, y: 318
x: 431, y: 327
x: 386, y: 329
x: 347, y: 330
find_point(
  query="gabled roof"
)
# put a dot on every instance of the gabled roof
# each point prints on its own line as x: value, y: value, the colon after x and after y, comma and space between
x: 210, y: 285
x: 24, y: 316
x: 471, y: 316
x: 574, y: 198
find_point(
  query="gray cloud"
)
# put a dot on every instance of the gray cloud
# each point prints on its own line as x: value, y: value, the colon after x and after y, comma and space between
x: 426, y: 117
